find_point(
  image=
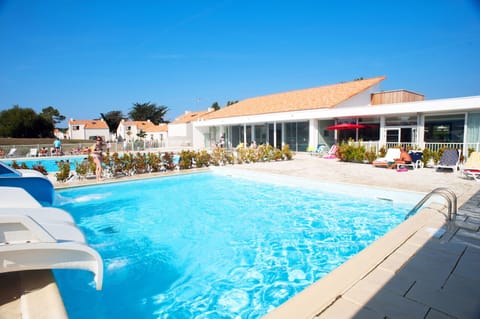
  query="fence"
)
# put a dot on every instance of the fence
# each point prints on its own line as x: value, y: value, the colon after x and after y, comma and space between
x: 33, y: 150
x: 146, y: 146
x: 435, y: 147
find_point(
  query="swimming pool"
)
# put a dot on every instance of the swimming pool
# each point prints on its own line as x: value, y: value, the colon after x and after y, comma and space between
x: 213, y: 246
x: 50, y: 163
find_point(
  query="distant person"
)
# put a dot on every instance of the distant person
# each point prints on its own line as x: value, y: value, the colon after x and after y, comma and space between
x: 97, y: 157
x: 405, y: 158
x: 57, y: 144
x: 43, y: 151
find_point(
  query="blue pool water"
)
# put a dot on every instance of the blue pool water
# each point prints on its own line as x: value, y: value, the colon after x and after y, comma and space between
x: 212, y: 246
x: 50, y: 163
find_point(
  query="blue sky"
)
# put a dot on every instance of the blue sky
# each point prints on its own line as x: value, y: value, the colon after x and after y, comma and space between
x: 89, y: 57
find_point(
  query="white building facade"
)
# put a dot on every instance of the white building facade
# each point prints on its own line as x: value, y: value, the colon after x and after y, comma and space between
x: 300, y: 119
x: 87, y: 129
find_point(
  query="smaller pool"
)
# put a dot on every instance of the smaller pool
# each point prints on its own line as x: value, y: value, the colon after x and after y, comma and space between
x: 50, y: 163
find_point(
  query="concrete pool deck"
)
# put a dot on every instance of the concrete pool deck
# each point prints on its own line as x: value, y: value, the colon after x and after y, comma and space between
x: 425, y: 268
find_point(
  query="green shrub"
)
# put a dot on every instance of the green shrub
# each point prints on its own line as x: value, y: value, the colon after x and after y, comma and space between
x: 370, y: 155
x: 251, y: 155
x: 241, y: 155
x: 81, y: 168
x: 349, y: 152
x: 382, y: 151
x: 154, y: 162
x: 186, y: 159
x: 167, y: 159
x: 63, y: 171
x: 140, y: 162
x: 286, y: 152
x: 202, y: 158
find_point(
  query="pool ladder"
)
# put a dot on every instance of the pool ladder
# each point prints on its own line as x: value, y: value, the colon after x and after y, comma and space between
x: 447, y: 194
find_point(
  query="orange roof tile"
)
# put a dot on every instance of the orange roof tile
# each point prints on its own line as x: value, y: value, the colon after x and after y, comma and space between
x: 147, y: 126
x: 307, y: 99
x: 90, y: 124
x: 189, y: 117
x: 162, y: 127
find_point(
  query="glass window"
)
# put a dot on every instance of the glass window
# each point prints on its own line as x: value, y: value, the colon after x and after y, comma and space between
x: 296, y: 136
x: 237, y: 135
x: 275, y: 136
x: 371, y: 131
x: 402, y: 120
x: 249, y: 134
x: 302, y: 136
x: 291, y: 135
x: 261, y: 134
x: 444, y: 128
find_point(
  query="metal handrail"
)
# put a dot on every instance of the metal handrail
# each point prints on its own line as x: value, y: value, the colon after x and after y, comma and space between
x: 447, y: 194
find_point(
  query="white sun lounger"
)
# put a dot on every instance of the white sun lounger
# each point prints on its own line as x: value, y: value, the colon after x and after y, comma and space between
x: 34, y: 237
x: 390, y: 156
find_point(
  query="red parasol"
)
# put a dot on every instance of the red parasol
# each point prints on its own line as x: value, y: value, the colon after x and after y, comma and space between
x: 345, y: 126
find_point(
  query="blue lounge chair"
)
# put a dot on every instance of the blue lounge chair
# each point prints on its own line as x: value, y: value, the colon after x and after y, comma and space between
x: 319, y: 150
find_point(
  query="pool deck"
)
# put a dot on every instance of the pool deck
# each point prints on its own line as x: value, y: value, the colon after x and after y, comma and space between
x: 424, y: 268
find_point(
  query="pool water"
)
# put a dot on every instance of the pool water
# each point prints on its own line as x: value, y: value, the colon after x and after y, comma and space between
x: 50, y: 163
x: 212, y: 246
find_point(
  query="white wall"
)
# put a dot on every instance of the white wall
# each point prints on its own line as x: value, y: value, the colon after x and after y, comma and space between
x: 77, y: 134
x: 198, y: 137
x: 103, y: 132
x: 360, y: 99
x: 178, y: 130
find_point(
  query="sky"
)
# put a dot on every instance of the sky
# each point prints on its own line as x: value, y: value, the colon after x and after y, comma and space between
x: 87, y: 57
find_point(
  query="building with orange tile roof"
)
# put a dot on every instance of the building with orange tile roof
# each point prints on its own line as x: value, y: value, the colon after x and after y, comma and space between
x: 154, y: 134
x: 304, y: 118
x: 180, y: 131
x: 88, y: 129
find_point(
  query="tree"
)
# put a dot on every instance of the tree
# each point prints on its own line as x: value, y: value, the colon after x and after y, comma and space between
x: 24, y: 122
x: 52, y: 114
x: 215, y: 106
x: 113, y: 118
x: 231, y: 102
x: 141, y: 134
x: 148, y: 111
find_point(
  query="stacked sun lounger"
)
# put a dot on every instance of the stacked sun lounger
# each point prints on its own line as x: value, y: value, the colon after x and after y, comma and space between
x: 34, y: 237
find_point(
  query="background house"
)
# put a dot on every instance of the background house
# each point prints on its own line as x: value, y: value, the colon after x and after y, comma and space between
x: 153, y: 135
x: 59, y: 134
x: 87, y: 129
